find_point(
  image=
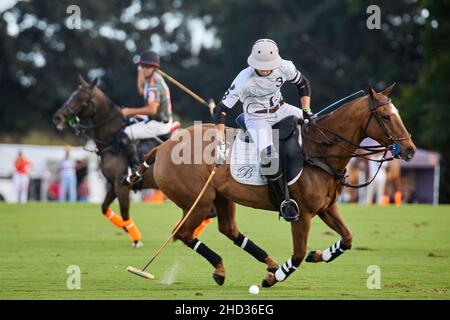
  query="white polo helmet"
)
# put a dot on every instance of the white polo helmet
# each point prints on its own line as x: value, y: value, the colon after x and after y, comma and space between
x: 264, y: 55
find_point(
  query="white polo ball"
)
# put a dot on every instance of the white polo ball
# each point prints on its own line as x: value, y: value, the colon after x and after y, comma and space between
x: 254, y: 289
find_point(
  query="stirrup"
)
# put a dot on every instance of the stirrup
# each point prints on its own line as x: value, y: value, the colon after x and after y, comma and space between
x: 289, y: 210
x: 126, y: 179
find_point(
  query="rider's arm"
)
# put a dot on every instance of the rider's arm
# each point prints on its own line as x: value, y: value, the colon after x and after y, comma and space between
x: 304, y: 90
x: 149, y: 110
x: 219, y: 115
x: 230, y: 98
x: 140, y: 80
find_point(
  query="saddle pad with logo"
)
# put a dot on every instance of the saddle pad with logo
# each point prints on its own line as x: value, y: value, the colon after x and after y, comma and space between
x: 245, y: 167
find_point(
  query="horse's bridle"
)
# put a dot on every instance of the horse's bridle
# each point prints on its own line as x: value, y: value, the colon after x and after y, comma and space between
x: 393, y: 147
x: 373, y: 113
x: 84, y: 106
x: 81, y: 128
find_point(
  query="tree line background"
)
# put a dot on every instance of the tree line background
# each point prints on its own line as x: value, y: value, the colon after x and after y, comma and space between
x: 204, y: 44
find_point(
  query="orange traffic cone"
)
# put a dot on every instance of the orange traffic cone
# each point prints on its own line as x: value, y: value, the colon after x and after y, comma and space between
x: 398, y: 199
x: 384, y: 200
x: 158, y: 197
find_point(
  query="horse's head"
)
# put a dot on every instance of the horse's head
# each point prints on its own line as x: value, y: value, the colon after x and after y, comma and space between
x: 80, y: 104
x: 385, y: 125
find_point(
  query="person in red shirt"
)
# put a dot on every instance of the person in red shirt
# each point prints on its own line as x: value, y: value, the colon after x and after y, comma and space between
x: 21, y: 177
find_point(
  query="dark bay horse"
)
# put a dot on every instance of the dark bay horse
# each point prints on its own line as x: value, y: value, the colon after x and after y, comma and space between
x: 336, y: 135
x: 89, y: 102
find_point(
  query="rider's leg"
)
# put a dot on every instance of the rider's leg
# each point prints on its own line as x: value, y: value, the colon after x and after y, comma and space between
x: 261, y: 133
x: 129, y: 146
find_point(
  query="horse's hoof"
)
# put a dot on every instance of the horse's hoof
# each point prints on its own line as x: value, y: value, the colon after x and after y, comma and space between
x: 219, y: 279
x: 314, y: 256
x: 265, y: 284
x: 269, y: 281
x: 137, y: 244
x: 310, y: 257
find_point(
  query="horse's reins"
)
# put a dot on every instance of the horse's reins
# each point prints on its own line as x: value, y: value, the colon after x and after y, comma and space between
x: 370, y: 149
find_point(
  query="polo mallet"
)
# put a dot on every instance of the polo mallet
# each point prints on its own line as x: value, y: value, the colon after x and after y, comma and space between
x: 210, y: 105
x: 147, y: 275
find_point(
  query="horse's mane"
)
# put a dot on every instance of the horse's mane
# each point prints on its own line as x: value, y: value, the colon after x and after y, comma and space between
x: 339, y: 110
x: 102, y: 95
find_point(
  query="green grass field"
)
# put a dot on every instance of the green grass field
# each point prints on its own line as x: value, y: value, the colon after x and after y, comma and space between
x: 411, y: 246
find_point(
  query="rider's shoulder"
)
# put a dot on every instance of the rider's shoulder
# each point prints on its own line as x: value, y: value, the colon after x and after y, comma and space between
x: 159, y: 80
x: 243, y: 76
x: 287, y: 66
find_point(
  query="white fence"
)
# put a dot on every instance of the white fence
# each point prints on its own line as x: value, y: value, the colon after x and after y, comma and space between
x: 44, y: 164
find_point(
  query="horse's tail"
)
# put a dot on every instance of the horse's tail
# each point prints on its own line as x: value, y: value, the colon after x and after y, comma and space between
x: 149, y: 159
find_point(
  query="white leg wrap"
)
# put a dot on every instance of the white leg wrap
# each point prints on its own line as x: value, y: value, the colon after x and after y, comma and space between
x: 332, y: 252
x: 145, y: 164
x: 285, y: 270
x: 326, y: 254
x: 279, y: 275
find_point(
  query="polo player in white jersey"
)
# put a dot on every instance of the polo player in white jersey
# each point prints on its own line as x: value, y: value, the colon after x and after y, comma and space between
x: 258, y: 88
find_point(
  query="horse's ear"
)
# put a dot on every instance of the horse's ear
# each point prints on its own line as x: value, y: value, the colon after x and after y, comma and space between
x: 386, y: 92
x: 94, y: 83
x: 82, y: 81
x: 372, y: 92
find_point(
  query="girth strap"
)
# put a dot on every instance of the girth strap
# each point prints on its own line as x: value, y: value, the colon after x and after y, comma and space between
x: 324, y: 167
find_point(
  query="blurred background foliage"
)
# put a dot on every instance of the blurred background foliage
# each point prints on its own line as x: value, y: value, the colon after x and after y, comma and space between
x: 204, y: 44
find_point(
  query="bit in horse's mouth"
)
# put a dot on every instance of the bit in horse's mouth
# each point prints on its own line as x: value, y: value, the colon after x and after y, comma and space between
x: 59, y: 122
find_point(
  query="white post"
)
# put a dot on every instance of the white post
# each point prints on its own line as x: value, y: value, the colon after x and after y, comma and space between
x: 437, y: 171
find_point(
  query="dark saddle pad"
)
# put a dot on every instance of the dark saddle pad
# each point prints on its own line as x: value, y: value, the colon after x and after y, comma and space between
x: 291, y: 153
x: 143, y: 145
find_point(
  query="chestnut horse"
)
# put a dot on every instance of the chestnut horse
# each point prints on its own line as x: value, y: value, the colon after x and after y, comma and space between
x: 316, y: 191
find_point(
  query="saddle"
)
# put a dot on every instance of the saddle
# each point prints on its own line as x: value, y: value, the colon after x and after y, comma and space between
x: 246, y: 169
x: 143, y: 145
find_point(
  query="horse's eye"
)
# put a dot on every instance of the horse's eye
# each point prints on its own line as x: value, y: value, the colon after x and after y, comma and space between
x: 386, y: 118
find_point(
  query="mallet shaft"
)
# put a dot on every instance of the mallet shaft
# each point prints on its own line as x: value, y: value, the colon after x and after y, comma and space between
x: 183, y: 220
x: 182, y: 87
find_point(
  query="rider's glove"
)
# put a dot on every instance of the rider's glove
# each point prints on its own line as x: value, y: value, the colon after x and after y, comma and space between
x: 308, y: 115
x: 221, y: 152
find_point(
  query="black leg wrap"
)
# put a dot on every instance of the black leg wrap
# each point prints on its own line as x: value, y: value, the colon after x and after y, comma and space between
x: 250, y: 247
x: 206, y: 252
x: 334, y: 251
x: 287, y: 269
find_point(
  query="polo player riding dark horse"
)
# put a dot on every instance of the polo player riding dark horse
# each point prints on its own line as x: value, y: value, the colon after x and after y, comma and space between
x: 115, y: 145
x: 156, y: 114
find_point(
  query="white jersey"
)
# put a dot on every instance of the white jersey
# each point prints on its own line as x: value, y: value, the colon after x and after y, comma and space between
x: 259, y: 93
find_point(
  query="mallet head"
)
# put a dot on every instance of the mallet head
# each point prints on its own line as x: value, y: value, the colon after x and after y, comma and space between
x: 140, y: 273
